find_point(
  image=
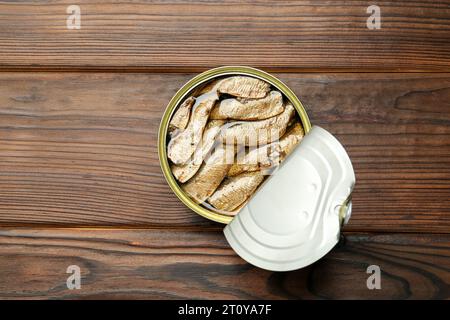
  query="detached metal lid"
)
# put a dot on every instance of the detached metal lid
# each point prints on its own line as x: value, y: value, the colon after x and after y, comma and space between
x: 295, y: 217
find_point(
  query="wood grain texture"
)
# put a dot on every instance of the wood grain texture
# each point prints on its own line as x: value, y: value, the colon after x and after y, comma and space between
x: 79, y: 149
x: 194, y: 35
x: 169, y: 264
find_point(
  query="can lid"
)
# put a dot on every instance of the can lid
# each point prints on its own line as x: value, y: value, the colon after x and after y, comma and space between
x: 295, y: 217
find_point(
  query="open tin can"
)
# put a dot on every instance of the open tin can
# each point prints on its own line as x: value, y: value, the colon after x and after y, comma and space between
x: 295, y: 217
x: 186, y: 90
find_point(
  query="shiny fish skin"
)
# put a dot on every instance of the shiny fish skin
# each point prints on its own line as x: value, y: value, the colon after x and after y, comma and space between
x: 257, y: 159
x: 269, y: 155
x: 238, y: 86
x: 249, y: 109
x: 181, y: 116
x: 290, y: 140
x: 235, y: 190
x: 184, y: 172
x: 209, y: 176
x: 253, y: 133
x: 182, y: 146
x: 244, y: 87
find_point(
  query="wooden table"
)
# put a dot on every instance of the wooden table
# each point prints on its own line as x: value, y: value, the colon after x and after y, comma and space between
x: 80, y: 182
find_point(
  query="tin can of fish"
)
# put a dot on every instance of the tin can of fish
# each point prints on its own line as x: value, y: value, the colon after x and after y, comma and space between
x: 192, y: 85
x: 296, y: 215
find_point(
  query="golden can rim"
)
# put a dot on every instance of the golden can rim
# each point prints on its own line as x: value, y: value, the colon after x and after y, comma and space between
x: 180, y: 95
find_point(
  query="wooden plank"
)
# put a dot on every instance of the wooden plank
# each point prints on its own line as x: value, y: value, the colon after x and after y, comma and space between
x: 192, y: 35
x: 80, y: 149
x: 169, y: 264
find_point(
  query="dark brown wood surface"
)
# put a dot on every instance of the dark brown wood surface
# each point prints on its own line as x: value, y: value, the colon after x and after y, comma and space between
x: 200, y: 265
x: 80, y: 181
x: 194, y: 35
x: 80, y: 149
